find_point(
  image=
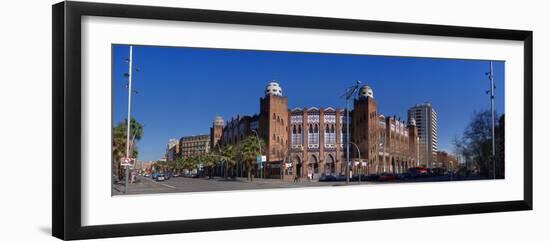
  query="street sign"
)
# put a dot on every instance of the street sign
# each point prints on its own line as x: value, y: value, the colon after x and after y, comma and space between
x: 261, y: 159
x: 127, y: 161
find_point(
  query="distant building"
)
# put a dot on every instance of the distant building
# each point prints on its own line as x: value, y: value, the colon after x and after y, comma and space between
x: 191, y: 146
x: 446, y: 161
x: 216, y: 132
x: 144, y: 166
x: 425, y: 117
x: 172, y: 149
x: 398, y: 148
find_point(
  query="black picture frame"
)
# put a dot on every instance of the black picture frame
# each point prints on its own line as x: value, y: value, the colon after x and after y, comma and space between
x: 66, y: 75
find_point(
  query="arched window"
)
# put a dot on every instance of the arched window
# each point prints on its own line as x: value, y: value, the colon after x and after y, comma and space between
x: 315, y: 134
x: 294, y: 136
x: 310, y: 134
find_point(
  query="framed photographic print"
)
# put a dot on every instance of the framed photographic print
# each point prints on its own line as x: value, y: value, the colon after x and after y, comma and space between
x: 232, y: 120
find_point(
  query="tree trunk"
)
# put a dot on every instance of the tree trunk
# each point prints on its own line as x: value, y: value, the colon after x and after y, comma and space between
x: 225, y: 171
x: 249, y: 171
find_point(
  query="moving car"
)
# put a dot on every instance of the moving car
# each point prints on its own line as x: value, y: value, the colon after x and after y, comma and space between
x: 158, y: 177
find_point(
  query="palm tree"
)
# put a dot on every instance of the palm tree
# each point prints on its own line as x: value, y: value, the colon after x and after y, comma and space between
x: 209, y: 161
x: 228, y: 157
x: 180, y: 164
x: 190, y: 163
x: 160, y: 166
x: 249, y: 148
x: 118, y: 149
x: 119, y: 143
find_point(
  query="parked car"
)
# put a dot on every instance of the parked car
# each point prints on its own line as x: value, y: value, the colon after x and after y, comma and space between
x: 384, y: 177
x: 419, y: 172
x: 373, y: 177
x: 328, y: 178
x: 438, y: 171
x: 405, y: 176
x: 364, y: 177
x: 341, y: 178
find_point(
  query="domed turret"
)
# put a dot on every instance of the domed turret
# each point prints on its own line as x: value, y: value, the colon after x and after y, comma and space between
x: 364, y: 92
x: 273, y: 89
x: 218, y: 121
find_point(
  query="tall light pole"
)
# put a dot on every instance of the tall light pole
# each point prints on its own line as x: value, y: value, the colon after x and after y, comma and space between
x: 128, y: 120
x: 359, y: 154
x: 384, y: 152
x: 417, y: 151
x: 347, y: 95
x: 260, y: 148
x: 492, y: 97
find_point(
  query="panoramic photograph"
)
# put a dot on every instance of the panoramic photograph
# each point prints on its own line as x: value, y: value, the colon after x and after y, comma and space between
x: 189, y: 119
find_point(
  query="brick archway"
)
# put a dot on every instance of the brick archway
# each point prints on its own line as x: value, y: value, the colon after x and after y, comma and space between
x: 313, y: 163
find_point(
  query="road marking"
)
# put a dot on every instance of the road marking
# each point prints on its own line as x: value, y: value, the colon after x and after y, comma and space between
x: 166, y: 185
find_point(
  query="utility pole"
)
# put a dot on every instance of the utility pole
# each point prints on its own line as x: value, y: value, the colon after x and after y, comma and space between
x: 492, y: 97
x: 128, y: 120
x: 384, y: 152
x: 360, y: 161
x: 417, y: 151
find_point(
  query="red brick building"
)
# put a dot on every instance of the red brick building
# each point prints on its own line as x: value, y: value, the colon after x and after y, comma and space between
x: 307, y: 140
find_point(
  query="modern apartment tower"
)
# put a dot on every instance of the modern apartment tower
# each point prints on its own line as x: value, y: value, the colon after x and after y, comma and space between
x: 425, y: 117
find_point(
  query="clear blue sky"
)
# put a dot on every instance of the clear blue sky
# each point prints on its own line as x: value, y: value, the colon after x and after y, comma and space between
x: 182, y: 89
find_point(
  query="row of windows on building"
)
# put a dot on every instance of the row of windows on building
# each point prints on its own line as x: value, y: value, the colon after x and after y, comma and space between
x: 313, y: 132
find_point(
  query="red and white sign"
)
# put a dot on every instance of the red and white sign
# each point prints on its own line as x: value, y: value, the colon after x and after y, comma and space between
x: 127, y: 161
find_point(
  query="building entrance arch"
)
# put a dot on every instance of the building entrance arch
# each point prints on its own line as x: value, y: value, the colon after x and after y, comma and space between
x: 313, y: 164
x: 329, y: 164
x: 297, y: 166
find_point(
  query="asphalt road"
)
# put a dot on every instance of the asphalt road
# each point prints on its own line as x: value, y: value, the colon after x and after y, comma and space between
x: 146, y: 185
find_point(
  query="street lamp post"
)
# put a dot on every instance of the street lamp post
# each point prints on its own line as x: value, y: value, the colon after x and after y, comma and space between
x: 260, y: 148
x: 128, y: 120
x: 417, y: 151
x: 359, y: 154
x: 384, y: 152
x: 349, y: 93
x: 492, y: 97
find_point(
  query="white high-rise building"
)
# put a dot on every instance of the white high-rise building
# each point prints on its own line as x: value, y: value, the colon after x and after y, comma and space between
x: 425, y: 117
